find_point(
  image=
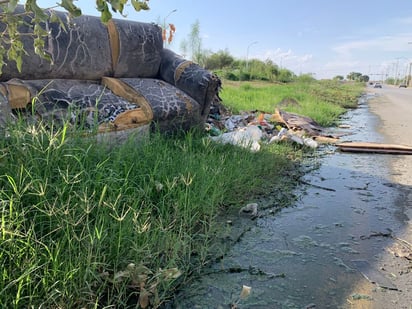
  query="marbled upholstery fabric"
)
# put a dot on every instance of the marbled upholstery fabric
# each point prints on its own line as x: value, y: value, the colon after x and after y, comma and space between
x: 113, y: 76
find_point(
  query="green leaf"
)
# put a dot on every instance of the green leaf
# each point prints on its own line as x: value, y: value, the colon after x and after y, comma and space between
x: 106, y: 15
x: 2, y: 53
x: 11, y: 53
x: 15, y: 53
x: 100, y: 4
x: 117, y: 5
x: 54, y: 18
x: 39, y: 15
x: 139, y: 5
x: 19, y: 62
x: 39, y: 31
x: 103, y: 8
x: 71, y: 8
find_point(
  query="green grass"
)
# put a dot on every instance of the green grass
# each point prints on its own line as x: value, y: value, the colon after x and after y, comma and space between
x: 323, y: 101
x: 88, y: 226
x: 83, y: 225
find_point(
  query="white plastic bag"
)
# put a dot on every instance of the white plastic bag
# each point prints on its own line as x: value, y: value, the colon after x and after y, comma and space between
x: 247, y: 137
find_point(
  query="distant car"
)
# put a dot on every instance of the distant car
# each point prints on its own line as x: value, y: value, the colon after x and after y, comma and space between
x: 403, y: 86
x: 377, y: 85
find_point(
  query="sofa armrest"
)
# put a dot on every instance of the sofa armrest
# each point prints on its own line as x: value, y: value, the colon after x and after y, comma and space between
x: 200, y: 84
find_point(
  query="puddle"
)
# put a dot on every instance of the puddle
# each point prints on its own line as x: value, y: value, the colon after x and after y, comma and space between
x: 301, y: 256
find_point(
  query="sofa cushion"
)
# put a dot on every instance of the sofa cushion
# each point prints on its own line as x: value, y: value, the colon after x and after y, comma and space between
x: 116, y: 104
x: 172, y: 108
x: 86, y: 105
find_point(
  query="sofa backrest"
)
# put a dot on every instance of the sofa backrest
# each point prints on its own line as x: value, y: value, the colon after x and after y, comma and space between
x: 85, y: 48
x: 139, y: 46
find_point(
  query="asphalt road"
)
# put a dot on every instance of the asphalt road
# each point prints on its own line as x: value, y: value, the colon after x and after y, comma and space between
x: 394, y: 107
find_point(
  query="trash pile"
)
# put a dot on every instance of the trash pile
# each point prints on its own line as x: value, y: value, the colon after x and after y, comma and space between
x: 250, y: 129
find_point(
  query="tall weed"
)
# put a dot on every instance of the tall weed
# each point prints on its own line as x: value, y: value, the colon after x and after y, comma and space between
x: 85, y: 225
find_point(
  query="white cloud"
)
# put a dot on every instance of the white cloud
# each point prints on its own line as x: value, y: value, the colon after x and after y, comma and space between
x: 308, y: 30
x: 404, y: 20
x: 285, y: 58
x: 306, y: 58
x: 277, y: 54
x: 394, y: 43
x: 339, y: 65
x: 370, y: 56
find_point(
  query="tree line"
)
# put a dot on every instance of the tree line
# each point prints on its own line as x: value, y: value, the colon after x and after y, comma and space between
x: 227, y: 66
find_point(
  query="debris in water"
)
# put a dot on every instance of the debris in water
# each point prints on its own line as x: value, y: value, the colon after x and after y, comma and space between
x: 377, y: 234
x: 251, y: 208
x: 245, y: 292
x: 374, y: 148
x: 317, y: 186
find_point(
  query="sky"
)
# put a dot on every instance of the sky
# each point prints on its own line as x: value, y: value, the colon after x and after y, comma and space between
x: 324, y: 38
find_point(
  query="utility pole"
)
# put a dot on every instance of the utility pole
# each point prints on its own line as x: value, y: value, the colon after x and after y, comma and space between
x: 396, y: 70
x: 409, y: 74
x: 247, y: 55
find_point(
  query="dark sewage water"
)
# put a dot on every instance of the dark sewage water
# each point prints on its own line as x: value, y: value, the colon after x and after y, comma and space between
x: 312, y: 255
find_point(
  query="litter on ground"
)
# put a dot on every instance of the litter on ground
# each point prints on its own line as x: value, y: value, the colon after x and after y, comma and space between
x: 251, y: 129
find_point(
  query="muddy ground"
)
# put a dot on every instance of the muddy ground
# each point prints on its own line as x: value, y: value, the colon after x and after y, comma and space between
x: 342, y: 244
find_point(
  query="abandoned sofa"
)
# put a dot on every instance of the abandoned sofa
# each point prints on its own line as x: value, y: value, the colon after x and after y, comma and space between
x: 105, y: 77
